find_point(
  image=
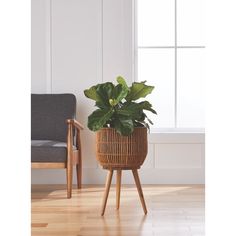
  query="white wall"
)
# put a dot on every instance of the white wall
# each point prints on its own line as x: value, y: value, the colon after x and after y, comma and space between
x: 78, y: 43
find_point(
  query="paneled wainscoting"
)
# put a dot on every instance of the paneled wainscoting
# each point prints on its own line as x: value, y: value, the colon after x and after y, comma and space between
x: 172, y: 159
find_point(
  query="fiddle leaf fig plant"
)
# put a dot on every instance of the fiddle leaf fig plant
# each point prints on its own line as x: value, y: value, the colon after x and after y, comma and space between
x: 118, y: 106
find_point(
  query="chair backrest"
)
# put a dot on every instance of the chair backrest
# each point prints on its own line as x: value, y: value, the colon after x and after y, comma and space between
x: 48, y: 115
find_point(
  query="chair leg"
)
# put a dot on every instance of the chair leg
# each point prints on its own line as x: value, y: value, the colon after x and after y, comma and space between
x: 69, y: 173
x: 139, y: 188
x: 106, y: 193
x: 118, y: 184
x: 79, y: 175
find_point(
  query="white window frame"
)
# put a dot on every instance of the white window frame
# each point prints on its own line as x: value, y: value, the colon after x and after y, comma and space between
x: 135, y: 69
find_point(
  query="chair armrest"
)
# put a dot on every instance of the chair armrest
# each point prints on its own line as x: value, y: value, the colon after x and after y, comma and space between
x: 75, y: 123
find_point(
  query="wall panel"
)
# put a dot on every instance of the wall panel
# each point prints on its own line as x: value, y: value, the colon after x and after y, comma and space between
x: 40, y: 40
x: 77, y: 58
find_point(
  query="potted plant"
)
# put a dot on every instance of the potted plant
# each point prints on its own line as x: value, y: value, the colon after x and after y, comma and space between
x: 120, y: 122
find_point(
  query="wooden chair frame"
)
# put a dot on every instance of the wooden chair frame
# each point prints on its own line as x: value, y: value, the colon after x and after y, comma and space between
x: 74, y: 157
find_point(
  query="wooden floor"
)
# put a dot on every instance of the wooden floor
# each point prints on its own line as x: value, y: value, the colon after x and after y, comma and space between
x: 172, y: 210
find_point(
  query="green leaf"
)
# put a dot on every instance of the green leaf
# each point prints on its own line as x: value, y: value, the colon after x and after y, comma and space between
x: 119, y: 93
x: 102, y: 105
x: 99, y: 118
x: 118, y: 108
x: 135, y: 112
x: 145, y: 117
x: 124, y: 126
x: 92, y: 94
x: 112, y: 102
x: 149, y: 121
x: 121, y: 81
x: 147, y: 106
x: 95, y: 95
x: 105, y: 91
x: 132, y: 110
x: 139, y: 90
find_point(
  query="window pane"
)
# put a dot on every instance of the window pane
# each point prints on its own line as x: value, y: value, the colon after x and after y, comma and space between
x: 156, y: 22
x: 157, y: 67
x: 189, y: 23
x: 190, y: 88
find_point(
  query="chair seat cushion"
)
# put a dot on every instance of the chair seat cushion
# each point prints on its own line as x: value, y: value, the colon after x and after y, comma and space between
x: 48, y: 151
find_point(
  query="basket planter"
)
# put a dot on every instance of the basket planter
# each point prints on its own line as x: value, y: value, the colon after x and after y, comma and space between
x: 116, y: 151
x: 119, y: 148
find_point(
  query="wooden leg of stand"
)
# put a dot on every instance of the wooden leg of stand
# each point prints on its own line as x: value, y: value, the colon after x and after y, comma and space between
x: 139, y: 188
x: 118, y: 184
x: 108, y: 184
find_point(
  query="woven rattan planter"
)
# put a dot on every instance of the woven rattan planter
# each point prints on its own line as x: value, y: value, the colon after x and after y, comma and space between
x: 116, y: 151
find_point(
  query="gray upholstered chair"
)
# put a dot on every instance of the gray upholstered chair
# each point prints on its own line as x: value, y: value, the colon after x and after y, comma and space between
x: 53, y: 131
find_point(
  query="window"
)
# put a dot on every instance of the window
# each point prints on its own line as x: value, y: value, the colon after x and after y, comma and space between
x: 170, y: 55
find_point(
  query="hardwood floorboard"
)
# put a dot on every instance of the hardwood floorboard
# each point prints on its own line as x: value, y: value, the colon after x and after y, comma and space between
x: 39, y: 225
x: 172, y: 210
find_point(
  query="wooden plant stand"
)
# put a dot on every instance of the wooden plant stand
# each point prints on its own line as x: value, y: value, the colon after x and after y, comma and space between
x: 118, y: 185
